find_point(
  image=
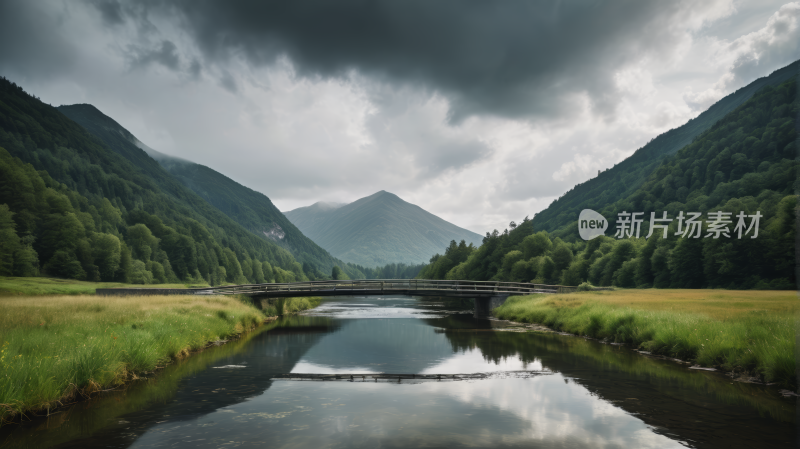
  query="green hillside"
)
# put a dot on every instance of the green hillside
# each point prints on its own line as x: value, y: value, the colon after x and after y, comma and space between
x: 625, y: 177
x: 252, y: 210
x: 378, y: 230
x: 71, y: 207
x: 746, y: 162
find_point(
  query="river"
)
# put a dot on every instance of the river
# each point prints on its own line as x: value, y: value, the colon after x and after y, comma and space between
x: 538, y: 390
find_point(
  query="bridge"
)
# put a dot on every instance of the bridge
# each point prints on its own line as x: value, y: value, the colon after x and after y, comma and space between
x: 487, y: 294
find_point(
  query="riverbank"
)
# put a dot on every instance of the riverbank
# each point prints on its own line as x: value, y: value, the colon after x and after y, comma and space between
x: 29, y: 286
x: 56, y: 348
x: 746, y: 332
x: 289, y: 306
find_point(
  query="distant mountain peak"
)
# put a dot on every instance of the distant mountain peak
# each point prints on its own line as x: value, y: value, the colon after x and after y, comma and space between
x: 378, y: 229
x: 327, y: 205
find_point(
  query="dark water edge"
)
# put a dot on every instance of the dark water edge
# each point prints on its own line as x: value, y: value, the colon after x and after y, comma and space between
x: 577, y: 393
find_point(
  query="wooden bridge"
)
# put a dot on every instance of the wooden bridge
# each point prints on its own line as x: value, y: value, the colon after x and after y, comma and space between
x: 380, y: 287
x: 487, y: 294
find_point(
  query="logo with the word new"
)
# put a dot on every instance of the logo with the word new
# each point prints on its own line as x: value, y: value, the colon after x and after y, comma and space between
x: 591, y: 224
x: 629, y: 224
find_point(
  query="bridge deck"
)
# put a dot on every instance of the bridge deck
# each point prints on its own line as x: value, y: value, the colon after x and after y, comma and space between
x: 413, y: 287
x: 371, y: 287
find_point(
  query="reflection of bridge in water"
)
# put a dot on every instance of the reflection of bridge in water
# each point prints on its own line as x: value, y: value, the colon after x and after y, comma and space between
x: 487, y: 294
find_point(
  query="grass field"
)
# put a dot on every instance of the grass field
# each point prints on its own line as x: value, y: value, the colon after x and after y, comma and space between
x: 750, y: 332
x: 53, y: 348
x: 17, y: 286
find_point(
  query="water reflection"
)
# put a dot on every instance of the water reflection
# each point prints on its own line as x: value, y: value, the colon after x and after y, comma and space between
x: 699, y: 408
x: 493, y: 413
x: 594, y: 396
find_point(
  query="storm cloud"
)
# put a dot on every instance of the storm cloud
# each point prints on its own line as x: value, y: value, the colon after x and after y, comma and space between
x: 480, y: 112
x: 511, y: 59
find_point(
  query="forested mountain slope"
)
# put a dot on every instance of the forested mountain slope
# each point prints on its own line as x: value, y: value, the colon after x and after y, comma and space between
x: 74, y: 208
x: 744, y: 164
x: 625, y: 177
x: 252, y: 210
x: 377, y: 230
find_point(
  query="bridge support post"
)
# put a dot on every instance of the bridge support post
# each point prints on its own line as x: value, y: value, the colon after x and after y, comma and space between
x: 485, y: 305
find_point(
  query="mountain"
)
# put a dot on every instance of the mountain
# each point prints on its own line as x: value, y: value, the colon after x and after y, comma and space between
x: 746, y: 163
x: 252, y: 210
x: 72, y: 207
x: 314, y: 216
x: 624, y: 178
x: 377, y: 230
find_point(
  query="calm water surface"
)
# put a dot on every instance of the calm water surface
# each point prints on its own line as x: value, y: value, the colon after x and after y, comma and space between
x: 543, y: 390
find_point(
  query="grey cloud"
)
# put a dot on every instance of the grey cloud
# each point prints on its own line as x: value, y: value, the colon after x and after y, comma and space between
x: 110, y: 10
x: 452, y: 156
x: 756, y: 54
x: 512, y: 59
x: 227, y: 82
x: 195, y: 69
x: 400, y: 123
x: 165, y: 53
x: 32, y: 44
x: 534, y: 178
x: 770, y: 48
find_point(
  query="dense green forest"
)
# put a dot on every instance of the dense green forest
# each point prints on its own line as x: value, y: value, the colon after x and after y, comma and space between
x: 252, y: 210
x: 392, y: 271
x: 746, y: 162
x: 73, y: 208
x: 627, y: 176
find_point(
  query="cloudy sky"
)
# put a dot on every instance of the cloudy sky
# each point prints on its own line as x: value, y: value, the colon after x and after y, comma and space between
x: 479, y: 112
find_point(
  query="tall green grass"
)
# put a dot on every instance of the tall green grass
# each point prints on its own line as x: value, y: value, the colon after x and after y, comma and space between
x: 53, y: 349
x: 758, y: 343
x: 27, y: 286
x: 60, y: 428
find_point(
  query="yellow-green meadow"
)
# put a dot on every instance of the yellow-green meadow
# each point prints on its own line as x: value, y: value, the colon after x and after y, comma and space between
x: 748, y: 332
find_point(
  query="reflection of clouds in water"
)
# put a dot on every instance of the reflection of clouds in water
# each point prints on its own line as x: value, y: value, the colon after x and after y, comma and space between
x: 472, y: 361
x: 373, y: 307
x: 544, y: 411
x: 314, y: 368
x: 386, y: 345
x: 541, y: 412
x: 345, y: 305
x: 557, y: 412
x: 372, y: 313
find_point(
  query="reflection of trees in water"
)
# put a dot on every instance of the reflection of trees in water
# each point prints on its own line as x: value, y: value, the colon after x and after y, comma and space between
x: 272, y: 352
x: 689, y: 405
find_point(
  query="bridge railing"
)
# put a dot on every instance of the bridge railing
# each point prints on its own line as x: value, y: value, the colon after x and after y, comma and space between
x: 389, y: 285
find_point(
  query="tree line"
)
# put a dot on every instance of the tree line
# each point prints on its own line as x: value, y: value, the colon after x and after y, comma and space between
x: 523, y: 255
x: 47, y: 228
x: 73, y: 208
x: 747, y: 162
